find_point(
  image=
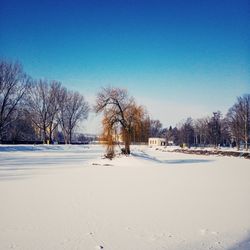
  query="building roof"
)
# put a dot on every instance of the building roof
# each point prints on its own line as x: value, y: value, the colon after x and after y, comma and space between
x: 156, y: 138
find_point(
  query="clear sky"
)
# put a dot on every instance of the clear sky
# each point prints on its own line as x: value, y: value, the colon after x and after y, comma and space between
x: 178, y: 58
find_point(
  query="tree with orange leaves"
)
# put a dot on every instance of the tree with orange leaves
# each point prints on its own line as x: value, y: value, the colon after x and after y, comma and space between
x: 120, y: 113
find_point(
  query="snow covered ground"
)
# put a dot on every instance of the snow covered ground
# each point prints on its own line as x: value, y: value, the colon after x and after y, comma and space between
x: 68, y: 197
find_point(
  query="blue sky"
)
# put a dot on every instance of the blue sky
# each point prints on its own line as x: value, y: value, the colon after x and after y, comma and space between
x: 178, y: 58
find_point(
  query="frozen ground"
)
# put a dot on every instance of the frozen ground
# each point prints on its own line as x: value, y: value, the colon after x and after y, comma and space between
x: 67, y: 197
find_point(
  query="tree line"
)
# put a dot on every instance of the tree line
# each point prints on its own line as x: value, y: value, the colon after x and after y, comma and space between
x: 122, y: 116
x: 231, y: 130
x: 33, y: 110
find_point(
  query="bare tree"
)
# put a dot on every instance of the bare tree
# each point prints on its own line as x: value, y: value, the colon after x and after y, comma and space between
x: 20, y: 129
x: 201, y: 130
x: 168, y: 134
x: 155, y: 128
x: 43, y: 106
x: 214, y: 129
x: 72, y: 109
x: 55, y: 98
x: 186, y: 132
x: 234, y: 122
x: 225, y: 134
x: 119, y: 110
x: 238, y: 118
x: 13, y: 85
x: 244, y: 113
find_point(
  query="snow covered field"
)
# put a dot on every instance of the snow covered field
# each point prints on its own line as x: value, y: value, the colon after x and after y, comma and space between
x: 67, y: 197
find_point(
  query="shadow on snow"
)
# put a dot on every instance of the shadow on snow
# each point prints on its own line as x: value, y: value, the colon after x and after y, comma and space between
x: 242, y: 245
x: 177, y: 161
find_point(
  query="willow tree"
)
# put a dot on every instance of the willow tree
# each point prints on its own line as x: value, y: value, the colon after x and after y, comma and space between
x: 108, y: 136
x: 120, y: 113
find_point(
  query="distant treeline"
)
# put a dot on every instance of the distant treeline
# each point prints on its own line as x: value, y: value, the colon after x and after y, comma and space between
x: 46, y: 111
x: 231, y: 130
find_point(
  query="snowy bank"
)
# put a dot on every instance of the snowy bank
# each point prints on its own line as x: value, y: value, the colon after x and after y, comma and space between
x: 208, y: 151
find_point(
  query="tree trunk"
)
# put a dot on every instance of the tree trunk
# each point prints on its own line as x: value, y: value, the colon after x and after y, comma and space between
x: 66, y: 141
x: 127, y: 142
x: 1, y: 137
x: 50, y: 135
x: 246, y: 136
x: 44, y: 135
x: 70, y: 136
x: 238, y: 144
x: 127, y: 147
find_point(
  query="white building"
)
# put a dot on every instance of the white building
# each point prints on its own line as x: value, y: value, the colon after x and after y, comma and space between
x: 156, y: 141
